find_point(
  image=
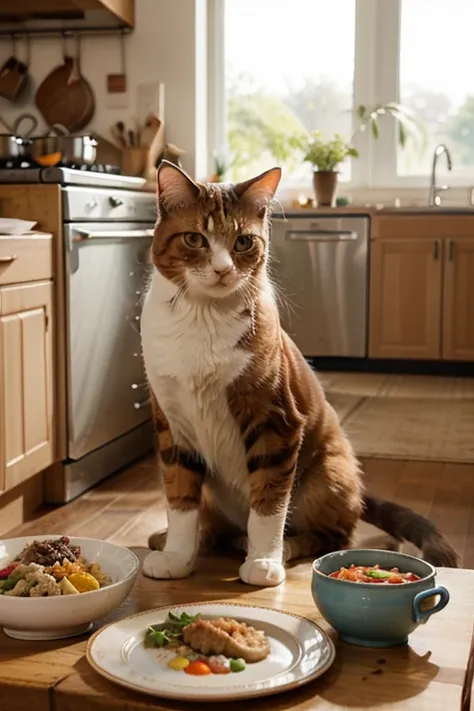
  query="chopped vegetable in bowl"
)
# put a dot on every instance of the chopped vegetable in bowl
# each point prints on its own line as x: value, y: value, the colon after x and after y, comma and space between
x: 50, y: 568
x: 373, y: 574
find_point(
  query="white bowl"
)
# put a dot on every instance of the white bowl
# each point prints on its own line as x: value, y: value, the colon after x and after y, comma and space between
x: 64, y: 616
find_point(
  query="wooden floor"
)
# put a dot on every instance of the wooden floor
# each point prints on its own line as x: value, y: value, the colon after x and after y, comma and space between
x: 128, y: 506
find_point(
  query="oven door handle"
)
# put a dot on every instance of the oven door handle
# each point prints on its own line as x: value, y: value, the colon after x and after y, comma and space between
x: 112, y: 234
x: 321, y: 235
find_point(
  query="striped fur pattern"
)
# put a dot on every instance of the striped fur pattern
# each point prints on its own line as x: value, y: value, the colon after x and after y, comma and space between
x: 253, y: 455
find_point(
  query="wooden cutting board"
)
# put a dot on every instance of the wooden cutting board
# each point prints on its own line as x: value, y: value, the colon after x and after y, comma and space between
x: 66, y: 97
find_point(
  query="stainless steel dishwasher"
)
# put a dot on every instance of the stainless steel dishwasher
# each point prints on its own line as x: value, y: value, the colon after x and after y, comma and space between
x: 321, y: 266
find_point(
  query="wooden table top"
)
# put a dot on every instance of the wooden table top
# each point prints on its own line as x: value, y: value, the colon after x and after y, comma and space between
x: 426, y: 675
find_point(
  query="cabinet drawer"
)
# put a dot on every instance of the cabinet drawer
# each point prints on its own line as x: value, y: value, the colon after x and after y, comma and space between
x: 25, y: 258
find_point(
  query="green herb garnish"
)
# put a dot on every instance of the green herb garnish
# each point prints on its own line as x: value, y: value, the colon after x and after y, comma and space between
x: 161, y: 635
x: 380, y: 574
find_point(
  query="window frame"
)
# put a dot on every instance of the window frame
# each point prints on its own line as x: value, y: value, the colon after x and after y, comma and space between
x: 376, y: 80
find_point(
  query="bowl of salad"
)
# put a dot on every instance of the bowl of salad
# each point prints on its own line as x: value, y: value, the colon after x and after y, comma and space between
x: 56, y: 586
x: 376, y: 598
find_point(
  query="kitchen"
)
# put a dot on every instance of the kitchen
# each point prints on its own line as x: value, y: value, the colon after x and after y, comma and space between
x: 376, y: 281
x: 388, y: 267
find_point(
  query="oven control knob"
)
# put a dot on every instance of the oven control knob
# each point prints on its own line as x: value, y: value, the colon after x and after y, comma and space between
x: 115, y: 201
x: 91, y: 204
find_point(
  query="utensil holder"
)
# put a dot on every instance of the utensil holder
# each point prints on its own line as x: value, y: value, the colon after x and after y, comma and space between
x: 134, y: 161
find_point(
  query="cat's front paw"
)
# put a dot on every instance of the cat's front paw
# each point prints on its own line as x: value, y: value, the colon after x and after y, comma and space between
x: 262, y: 572
x: 164, y: 566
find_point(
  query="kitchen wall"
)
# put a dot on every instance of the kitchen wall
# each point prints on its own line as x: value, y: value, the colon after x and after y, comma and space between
x: 164, y: 46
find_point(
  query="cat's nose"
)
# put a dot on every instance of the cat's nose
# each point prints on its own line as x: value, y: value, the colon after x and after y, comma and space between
x: 223, y: 269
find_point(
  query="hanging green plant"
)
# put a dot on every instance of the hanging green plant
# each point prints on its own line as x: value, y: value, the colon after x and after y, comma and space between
x: 408, y: 124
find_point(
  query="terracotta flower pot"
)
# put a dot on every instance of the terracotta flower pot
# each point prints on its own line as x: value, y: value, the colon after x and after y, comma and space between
x: 325, y: 185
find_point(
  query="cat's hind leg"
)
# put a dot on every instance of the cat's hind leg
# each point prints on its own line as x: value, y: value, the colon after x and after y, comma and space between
x: 317, y: 543
x: 183, y: 476
x: 314, y: 544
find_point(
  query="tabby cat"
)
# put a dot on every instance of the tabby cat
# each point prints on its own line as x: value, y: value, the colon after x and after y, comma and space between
x: 253, y: 455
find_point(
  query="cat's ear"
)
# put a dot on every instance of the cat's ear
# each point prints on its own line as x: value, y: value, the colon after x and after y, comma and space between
x: 260, y: 190
x: 174, y: 189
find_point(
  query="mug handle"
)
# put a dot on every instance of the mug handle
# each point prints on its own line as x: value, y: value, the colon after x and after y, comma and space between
x: 423, y: 615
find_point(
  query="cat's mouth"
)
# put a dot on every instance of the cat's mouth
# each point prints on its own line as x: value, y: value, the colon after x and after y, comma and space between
x: 216, y: 288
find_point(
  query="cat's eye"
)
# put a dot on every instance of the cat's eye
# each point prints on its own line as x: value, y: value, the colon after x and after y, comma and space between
x: 194, y: 240
x: 243, y: 243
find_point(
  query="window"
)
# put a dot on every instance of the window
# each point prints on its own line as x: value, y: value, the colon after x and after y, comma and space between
x: 290, y: 65
x: 435, y: 81
x: 285, y: 73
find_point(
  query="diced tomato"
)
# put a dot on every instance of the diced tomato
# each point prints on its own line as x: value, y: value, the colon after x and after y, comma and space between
x: 218, y: 666
x: 198, y: 668
x: 412, y: 577
x: 395, y: 580
x: 6, y: 571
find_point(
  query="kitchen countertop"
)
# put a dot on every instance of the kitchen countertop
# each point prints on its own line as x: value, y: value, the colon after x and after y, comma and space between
x: 426, y: 675
x: 372, y: 210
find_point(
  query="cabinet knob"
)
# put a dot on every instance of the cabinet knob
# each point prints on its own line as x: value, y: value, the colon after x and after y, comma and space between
x: 143, y: 403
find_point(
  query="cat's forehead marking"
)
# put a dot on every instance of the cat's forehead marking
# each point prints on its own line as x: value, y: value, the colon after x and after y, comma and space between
x: 252, y: 228
x: 210, y: 224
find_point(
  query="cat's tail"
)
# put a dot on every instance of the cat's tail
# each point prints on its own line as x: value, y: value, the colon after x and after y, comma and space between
x: 403, y: 524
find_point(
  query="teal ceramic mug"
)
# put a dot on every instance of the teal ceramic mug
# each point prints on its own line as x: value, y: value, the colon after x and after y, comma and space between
x: 376, y: 615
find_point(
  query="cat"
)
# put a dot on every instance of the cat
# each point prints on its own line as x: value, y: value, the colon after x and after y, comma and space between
x: 253, y: 456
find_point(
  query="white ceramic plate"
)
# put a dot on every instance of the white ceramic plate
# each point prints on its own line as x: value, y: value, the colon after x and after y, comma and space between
x: 300, y: 652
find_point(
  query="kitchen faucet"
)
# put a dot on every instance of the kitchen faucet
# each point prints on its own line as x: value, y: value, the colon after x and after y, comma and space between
x: 435, y: 199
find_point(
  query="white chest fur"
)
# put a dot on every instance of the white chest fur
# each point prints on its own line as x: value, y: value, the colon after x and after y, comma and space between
x: 190, y: 358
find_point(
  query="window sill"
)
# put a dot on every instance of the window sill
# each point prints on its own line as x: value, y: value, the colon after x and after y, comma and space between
x: 396, y: 196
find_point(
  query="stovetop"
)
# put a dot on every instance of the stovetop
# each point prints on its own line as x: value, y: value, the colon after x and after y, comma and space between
x: 103, y: 176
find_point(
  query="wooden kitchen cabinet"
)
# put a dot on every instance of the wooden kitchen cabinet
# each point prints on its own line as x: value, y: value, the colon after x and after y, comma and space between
x: 405, y: 298
x: 458, y: 300
x: 26, y: 364
x: 422, y: 287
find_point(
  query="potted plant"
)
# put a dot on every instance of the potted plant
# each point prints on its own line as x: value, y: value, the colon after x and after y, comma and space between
x: 325, y: 156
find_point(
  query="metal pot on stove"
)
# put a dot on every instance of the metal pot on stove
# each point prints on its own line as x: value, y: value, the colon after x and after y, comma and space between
x: 16, y: 143
x: 57, y: 145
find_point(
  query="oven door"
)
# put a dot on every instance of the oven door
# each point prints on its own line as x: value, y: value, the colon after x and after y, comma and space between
x: 106, y: 265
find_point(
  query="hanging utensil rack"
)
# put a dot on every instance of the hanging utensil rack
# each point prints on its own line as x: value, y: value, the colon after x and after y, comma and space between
x: 45, y: 33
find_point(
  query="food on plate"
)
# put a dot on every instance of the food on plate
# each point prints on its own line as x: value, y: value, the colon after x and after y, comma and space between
x: 200, y: 646
x: 198, y: 668
x: 228, y: 637
x: 51, y: 568
x: 373, y: 574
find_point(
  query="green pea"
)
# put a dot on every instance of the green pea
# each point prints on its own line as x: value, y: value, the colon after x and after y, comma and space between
x: 237, y: 665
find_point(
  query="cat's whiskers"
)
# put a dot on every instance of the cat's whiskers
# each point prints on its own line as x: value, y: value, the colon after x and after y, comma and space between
x: 180, y: 294
x: 283, y: 300
x: 249, y: 293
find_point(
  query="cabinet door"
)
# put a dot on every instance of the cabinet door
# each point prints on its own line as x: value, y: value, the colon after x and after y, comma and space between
x: 26, y: 382
x: 405, y: 298
x: 458, y: 321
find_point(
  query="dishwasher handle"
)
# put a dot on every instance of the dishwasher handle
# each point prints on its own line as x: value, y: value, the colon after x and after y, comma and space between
x: 113, y: 234
x: 321, y: 235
